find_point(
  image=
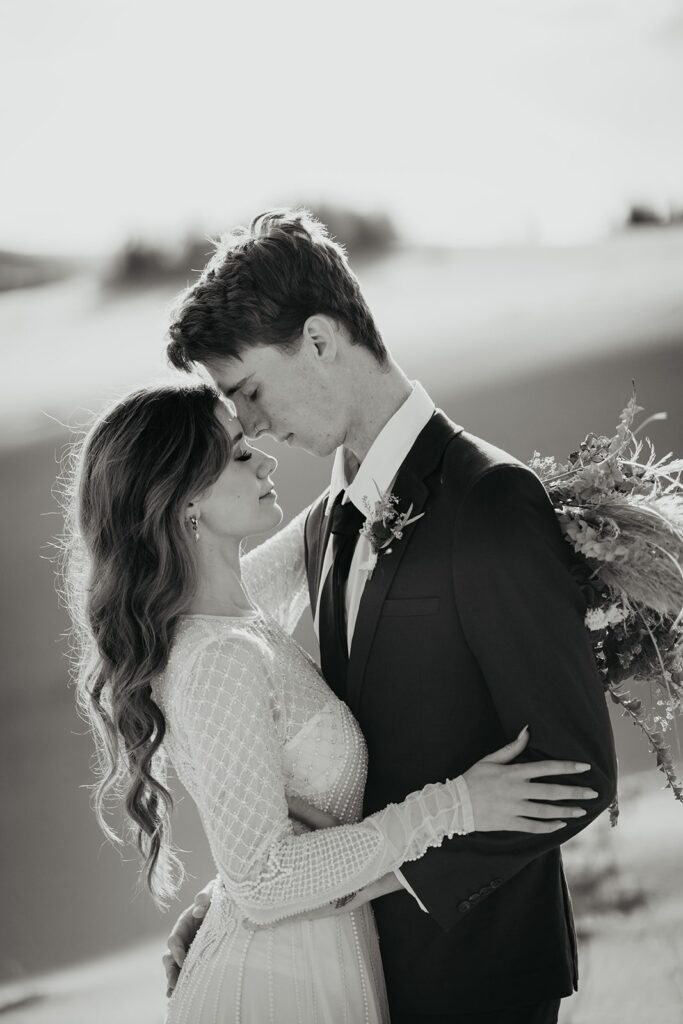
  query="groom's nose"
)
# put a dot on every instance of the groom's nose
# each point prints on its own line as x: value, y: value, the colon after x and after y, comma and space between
x: 253, y: 424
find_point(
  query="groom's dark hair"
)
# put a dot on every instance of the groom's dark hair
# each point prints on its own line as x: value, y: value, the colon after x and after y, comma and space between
x: 260, y: 286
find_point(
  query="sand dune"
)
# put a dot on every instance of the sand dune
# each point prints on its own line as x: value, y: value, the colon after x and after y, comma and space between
x: 528, y: 349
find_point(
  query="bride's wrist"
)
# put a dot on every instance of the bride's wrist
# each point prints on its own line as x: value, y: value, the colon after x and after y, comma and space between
x: 466, y: 805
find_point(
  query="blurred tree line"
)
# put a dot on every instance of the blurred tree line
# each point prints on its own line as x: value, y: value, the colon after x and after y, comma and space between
x: 142, y: 263
x: 21, y: 270
x: 642, y: 215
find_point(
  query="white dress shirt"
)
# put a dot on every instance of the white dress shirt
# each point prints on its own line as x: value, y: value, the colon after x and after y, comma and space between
x: 378, y: 469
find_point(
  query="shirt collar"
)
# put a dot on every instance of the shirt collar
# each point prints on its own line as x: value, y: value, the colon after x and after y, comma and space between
x: 386, y: 454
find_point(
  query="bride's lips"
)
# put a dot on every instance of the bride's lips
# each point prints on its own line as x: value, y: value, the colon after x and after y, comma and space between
x: 270, y: 494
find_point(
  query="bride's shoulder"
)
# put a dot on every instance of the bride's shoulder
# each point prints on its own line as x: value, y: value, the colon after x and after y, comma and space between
x: 215, y: 637
x: 213, y: 662
x: 211, y: 657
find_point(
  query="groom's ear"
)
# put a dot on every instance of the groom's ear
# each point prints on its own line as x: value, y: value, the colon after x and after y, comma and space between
x: 321, y: 334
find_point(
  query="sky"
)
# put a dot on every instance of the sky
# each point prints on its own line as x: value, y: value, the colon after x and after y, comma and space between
x: 470, y: 123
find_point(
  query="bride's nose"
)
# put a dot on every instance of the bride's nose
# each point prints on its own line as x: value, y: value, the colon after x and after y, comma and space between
x: 267, y: 465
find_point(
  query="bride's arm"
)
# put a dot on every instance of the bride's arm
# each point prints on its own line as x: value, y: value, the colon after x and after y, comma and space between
x: 271, y: 873
x: 274, y: 573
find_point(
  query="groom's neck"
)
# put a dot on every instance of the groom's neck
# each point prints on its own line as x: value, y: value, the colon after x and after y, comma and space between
x: 380, y: 392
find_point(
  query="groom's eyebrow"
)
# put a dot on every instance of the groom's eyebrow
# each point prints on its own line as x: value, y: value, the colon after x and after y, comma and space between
x: 229, y: 392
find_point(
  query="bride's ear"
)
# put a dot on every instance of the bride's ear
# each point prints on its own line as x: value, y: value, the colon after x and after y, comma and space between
x: 193, y: 515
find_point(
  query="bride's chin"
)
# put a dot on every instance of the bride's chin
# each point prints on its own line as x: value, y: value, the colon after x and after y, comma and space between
x: 269, y: 518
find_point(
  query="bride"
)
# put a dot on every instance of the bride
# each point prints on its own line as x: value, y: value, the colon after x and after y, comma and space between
x: 185, y: 655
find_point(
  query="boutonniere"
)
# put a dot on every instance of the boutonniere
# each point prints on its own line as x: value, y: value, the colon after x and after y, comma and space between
x: 384, y: 525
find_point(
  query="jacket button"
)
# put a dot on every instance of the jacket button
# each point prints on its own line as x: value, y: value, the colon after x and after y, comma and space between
x: 474, y: 897
x: 487, y: 889
x: 464, y: 906
x: 496, y: 882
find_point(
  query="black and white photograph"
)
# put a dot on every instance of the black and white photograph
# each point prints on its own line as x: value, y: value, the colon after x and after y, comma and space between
x: 342, y: 498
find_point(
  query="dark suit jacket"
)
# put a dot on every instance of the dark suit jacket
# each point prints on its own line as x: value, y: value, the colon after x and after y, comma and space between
x: 470, y: 629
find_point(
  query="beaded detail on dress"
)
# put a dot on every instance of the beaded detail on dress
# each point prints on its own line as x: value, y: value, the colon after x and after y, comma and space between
x: 250, y: 721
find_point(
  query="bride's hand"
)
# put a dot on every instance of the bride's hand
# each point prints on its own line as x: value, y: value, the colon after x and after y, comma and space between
x: 505, y: 799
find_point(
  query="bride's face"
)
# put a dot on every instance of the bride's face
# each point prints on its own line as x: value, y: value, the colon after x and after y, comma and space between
x: 242, y: 501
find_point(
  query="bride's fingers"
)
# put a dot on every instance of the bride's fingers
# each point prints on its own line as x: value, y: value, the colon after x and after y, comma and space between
x: 529, y: 825
x: 548, y: 791
x: 535, y: 810
x: 538, y: 769
x: 511, y: 750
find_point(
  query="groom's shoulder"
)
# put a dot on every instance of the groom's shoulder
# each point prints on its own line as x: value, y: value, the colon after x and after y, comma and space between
x: 468, y: 458
x: 489, y: 480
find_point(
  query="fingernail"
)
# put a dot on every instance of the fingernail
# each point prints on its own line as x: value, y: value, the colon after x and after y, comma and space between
x: 168, y: 992
x: 581, y: 767
x: 525, y: 729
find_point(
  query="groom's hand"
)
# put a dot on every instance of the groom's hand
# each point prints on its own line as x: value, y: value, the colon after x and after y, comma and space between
x: 188, y: 924
x: 181, y: 938
x: 300, y: 810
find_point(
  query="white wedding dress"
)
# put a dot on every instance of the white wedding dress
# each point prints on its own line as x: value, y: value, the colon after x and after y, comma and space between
x: 249, y: 721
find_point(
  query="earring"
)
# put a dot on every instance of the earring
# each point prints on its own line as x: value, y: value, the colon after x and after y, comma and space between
x: 195, y: 527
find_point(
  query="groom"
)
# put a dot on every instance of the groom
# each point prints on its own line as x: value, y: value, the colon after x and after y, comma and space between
x: 469, y: 626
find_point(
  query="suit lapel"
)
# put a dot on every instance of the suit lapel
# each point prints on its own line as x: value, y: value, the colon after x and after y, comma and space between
x: 317, y: 536
x: 325, y: 529
x: 409, y: 488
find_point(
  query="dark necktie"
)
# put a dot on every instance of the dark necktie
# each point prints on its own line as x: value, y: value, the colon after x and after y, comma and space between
x: 332, y: 627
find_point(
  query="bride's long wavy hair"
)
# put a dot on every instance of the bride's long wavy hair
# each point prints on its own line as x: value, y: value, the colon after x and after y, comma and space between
x: 128, y: 573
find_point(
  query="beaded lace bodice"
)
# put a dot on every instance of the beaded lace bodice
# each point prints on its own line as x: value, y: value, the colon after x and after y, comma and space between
x: 250, y: 721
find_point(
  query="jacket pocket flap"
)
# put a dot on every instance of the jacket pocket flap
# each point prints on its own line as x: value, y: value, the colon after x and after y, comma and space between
x: 410, y: 606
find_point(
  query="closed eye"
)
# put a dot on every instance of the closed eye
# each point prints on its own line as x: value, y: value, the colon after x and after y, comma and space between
x: 244, y: 457
x: 253, y: 396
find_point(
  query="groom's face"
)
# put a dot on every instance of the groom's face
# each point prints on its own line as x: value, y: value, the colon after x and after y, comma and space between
x: 290, y: 395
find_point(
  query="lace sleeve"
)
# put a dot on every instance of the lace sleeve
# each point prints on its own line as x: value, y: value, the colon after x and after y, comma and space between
x: 274, y: 574
x: 228, y: 720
